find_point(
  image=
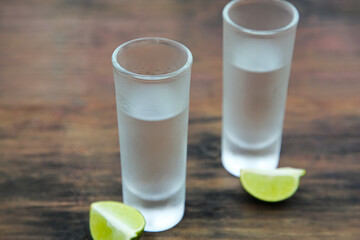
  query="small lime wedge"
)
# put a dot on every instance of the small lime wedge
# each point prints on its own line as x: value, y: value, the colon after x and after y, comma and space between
x: 271, y: 185
x: 115, y: 221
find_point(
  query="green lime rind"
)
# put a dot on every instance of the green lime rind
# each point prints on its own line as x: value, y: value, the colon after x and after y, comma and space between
x: 111, y: 220
x: 271, y: 185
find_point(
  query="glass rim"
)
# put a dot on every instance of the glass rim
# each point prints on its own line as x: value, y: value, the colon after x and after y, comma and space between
x: 292, y: 9
x: 177, y: 72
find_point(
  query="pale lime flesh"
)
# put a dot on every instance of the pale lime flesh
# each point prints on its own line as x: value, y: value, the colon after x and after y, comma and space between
x: 271, y: 185
x: 115, y: 221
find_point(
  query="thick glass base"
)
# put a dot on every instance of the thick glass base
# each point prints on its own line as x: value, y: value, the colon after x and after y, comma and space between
x: 160, y: 215
x: 235, y: 157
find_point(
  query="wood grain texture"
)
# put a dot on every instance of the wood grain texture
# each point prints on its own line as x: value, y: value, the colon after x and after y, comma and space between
x: 58, y: 131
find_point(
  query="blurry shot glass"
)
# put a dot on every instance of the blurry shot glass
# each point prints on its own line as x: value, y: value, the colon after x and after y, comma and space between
x: 152, y: 85
x: 258, y: 42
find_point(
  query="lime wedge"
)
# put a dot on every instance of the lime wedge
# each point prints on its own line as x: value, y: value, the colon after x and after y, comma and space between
x: 271, y: 185
x: 115, y: 221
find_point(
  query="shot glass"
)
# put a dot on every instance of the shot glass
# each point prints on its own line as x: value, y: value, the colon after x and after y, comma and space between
x: 152, y: 85
x: 258, y: 42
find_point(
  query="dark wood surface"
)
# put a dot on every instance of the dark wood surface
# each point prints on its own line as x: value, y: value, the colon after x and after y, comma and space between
x: 58, y: 129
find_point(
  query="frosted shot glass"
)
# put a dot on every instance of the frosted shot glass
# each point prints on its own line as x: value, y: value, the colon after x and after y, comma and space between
x: 152, y: 85
x: 258, y: 42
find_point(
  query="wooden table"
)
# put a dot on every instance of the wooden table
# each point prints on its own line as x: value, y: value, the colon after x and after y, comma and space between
x: 58, y: 129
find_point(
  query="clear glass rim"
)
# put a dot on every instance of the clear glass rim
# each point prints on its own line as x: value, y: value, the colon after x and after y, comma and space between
x: 294, y: 13
x: 169, y: 75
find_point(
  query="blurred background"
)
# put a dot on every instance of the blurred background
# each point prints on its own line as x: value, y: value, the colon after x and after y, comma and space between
x: 58, y: 129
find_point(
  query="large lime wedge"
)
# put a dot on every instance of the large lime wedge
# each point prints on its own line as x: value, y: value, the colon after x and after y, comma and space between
x: 115, y: 221
x: 271, y: 185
